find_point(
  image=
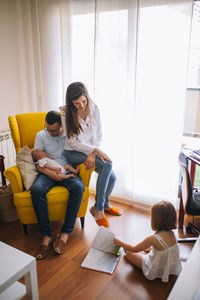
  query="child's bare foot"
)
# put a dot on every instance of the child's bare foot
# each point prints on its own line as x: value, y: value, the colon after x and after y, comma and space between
x: 66, y: 176
x: 69, y: 175
x: 77, y: 170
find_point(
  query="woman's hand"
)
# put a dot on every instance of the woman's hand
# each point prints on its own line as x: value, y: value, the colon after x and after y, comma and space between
x: 102, y: 155
x: 90, y: 161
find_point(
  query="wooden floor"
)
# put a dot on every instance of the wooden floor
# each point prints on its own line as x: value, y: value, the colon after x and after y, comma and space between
x: 61, y: 277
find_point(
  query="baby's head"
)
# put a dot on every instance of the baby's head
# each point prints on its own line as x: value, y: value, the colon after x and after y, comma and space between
x: 38, y: 154
x: 163, y: 216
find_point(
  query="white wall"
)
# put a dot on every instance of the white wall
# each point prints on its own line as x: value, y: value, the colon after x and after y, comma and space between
x: 192, y: 111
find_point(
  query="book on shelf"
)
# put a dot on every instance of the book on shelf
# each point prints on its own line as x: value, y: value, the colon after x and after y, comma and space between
x: 103, y: 255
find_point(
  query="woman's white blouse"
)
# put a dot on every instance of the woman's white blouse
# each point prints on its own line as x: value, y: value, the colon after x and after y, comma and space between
x: 90, y: 137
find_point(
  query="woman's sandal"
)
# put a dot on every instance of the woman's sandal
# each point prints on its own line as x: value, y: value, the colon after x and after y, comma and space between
x: 43, y: 251
x: 112, y: 211
x: 59, y: 244
x: 100, y: 222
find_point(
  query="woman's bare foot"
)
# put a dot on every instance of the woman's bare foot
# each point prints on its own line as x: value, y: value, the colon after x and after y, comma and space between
x: 99, y: 216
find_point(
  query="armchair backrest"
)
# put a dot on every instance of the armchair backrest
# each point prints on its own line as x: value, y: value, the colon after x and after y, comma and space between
x: 24, y: 128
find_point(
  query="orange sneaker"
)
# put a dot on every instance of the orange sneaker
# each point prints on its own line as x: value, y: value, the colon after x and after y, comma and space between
x: 101, y: 222
x: 112, y: 211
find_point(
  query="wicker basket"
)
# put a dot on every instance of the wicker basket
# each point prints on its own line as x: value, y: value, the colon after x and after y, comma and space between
x: 8, y: 212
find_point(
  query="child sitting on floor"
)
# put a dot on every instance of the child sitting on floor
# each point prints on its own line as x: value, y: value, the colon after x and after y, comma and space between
x: 163, y: 258
x: 47, y: 162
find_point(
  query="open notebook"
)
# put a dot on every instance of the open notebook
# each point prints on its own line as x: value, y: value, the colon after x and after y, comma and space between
x: 104, y: 255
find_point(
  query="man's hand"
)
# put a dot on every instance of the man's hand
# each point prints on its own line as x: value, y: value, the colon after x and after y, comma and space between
x: 54, y: 175
x: 51, y: 173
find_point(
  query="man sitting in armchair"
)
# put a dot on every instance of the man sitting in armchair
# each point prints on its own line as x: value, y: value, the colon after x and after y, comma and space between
x: 51, y: 140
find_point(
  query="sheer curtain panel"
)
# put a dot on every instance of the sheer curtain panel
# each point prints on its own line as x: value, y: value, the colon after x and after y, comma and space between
x: 132, y: 55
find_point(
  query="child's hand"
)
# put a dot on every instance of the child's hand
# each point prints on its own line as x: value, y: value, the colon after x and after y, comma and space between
x: 117, y: 242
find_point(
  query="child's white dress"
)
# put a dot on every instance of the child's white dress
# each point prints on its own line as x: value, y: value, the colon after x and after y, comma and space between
x: 160, y: 264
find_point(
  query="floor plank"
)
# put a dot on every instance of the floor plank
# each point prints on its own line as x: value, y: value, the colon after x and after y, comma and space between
x: 61, y: 277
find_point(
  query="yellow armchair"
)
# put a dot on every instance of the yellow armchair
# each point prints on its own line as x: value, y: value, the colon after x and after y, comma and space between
x: 24, y: 128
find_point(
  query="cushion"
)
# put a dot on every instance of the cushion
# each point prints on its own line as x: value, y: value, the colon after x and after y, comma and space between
x: 26, y: 166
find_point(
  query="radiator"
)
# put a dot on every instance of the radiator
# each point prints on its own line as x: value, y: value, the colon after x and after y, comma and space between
x: 7, y: 149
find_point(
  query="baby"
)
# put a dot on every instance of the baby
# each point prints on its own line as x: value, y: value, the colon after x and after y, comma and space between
x: 51, y: 164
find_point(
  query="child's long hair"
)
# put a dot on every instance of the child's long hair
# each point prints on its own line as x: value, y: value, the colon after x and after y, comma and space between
x: 163, y: 216
x: 74, y: 91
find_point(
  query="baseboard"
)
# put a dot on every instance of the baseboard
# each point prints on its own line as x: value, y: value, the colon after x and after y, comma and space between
x: 135, y: 204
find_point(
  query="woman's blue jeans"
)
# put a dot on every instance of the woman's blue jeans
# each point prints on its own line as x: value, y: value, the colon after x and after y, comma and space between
x: 106, y: 177
x: 39, y: 191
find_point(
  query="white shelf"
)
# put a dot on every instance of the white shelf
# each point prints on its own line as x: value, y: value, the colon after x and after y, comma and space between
x: 16, y: 264
x: 188, y: 283
x: 16, y: 291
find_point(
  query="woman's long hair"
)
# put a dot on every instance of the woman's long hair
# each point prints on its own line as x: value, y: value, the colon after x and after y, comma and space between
x: 74, y: 91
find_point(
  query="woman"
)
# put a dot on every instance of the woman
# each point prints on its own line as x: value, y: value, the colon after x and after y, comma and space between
x: 82, y: 125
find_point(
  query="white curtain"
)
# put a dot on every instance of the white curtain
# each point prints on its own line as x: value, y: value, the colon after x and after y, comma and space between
x: 132, y: 55
x: 17, y: 78
x: 162, y: 57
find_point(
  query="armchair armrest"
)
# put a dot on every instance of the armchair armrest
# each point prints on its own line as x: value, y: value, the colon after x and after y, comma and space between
x: 15, y: 179
x: 85, y: 174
